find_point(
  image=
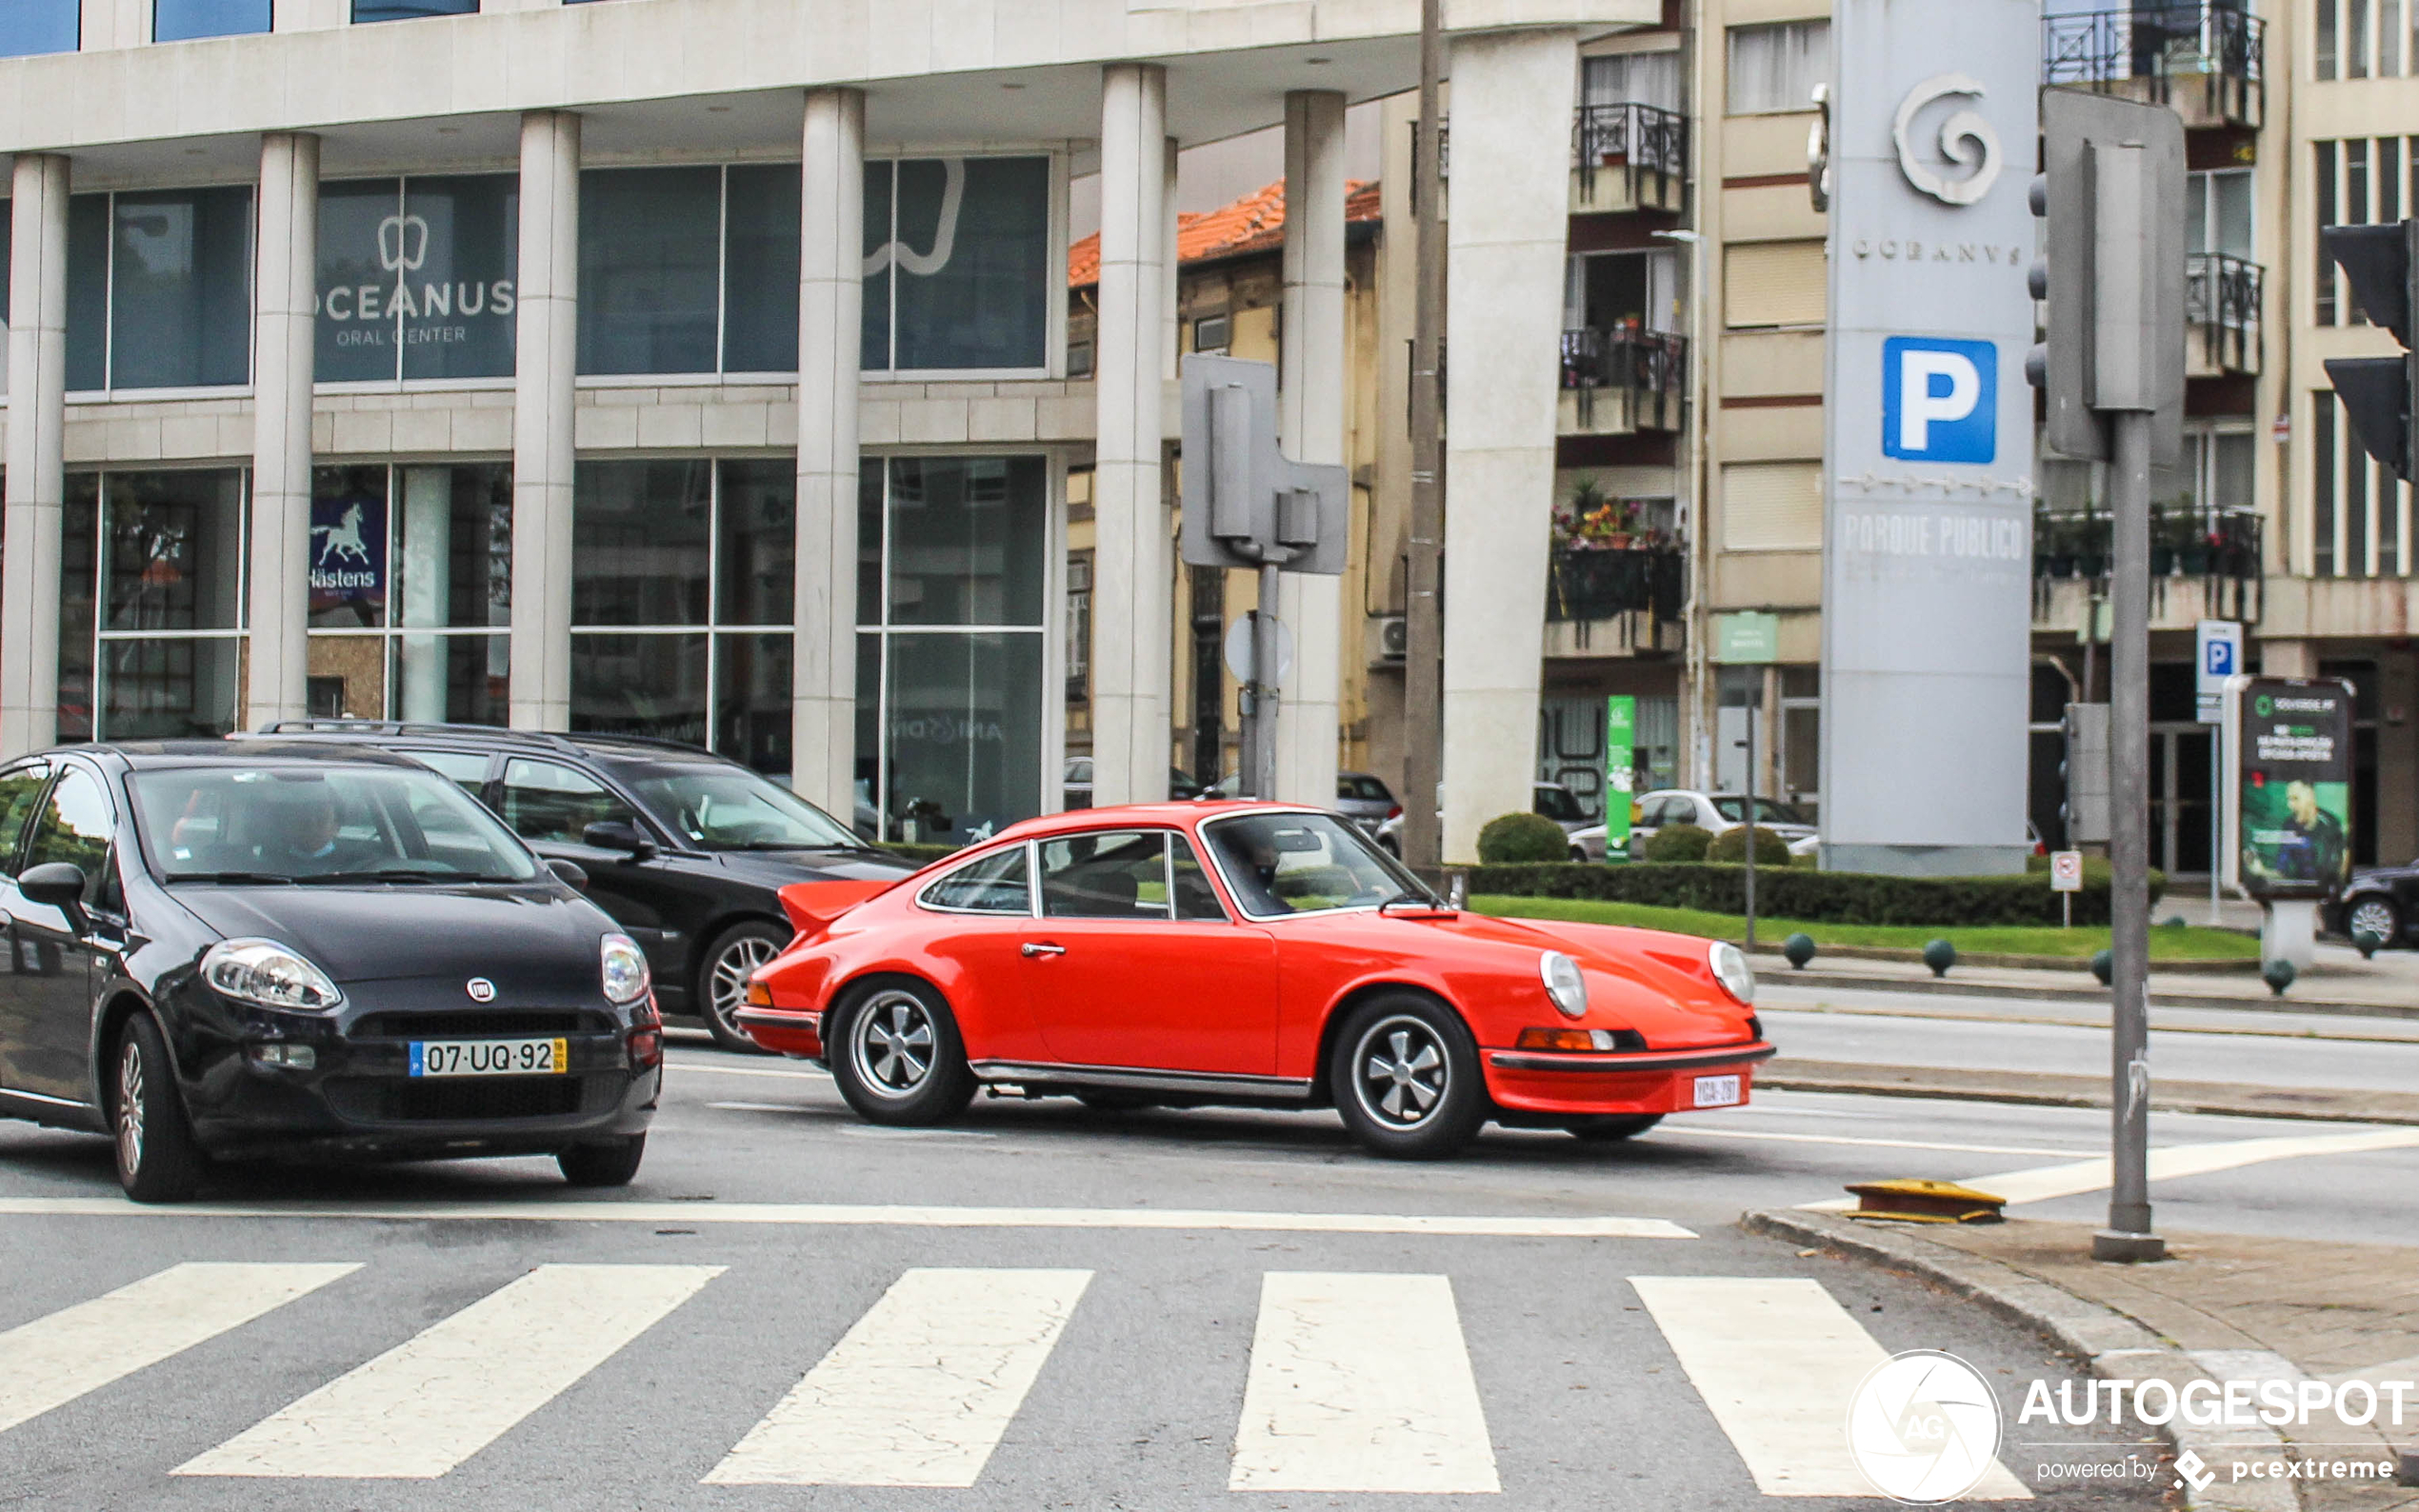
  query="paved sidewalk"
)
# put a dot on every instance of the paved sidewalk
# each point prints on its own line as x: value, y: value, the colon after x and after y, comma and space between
x: 2339, y: 980
x: 2234, y: 1307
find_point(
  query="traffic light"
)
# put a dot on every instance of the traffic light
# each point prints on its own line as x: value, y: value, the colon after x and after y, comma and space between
x: 2085, y: 770
x: 2380, y: 262
x: 2111, y: 272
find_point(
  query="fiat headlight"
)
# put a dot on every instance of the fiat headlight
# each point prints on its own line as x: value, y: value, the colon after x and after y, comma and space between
x: 1563, y: 983
x: 1731, y: 968
x: 626, y: 978
x: 265, y: 972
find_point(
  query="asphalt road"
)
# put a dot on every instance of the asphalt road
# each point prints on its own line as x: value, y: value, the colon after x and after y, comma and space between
x: 1246, y: 1311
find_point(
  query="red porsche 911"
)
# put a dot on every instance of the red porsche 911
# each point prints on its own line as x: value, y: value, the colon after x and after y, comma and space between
x: 1245, y: 954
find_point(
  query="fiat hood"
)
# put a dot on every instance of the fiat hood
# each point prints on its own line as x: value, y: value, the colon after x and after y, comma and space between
x: 376, y: 933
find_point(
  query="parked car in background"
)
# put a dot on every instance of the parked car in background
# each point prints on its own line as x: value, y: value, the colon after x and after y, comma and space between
x: 221, y: 948
x: 1364, y: 800
x: 1076, y: 784
x: 1717, y: 812
x: 2382, y: 900
x: 688, y: 850
x: 1553, y: 800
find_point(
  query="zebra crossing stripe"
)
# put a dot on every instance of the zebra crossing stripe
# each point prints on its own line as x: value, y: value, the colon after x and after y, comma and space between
x: 55, y: 1360
x: 920, y: 1390
x: 1360, y: 1382
x: 435, y: 1400
x: 1776, y: 1359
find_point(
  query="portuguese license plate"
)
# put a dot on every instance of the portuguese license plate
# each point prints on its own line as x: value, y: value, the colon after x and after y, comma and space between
x: 1717, y: 1091
x: 490, y: 1057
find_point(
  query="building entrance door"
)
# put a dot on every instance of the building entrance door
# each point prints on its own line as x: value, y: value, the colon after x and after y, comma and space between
x: 2180, y: 789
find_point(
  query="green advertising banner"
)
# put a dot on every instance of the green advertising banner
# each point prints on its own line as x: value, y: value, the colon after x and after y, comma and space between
x: 2288, y: 784
x: 1621, y: 758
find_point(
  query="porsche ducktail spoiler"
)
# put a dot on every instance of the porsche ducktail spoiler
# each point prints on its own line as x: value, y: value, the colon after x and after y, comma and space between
x: 813, y: 905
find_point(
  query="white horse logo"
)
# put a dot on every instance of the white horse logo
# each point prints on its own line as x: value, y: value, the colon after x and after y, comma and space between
x: 344, y: 540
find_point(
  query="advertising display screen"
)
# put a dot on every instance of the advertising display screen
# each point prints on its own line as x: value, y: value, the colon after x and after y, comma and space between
x: 2288, y: 787
x: 1621, y: 744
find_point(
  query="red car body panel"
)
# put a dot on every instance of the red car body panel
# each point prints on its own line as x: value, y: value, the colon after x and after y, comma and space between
x: 1252, y: 1000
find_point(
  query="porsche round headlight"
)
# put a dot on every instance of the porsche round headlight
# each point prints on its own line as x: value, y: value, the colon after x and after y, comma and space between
x: 1563, y: 983
x: 1731, y: 968
x: 268, y: 973
x: 626, y: 978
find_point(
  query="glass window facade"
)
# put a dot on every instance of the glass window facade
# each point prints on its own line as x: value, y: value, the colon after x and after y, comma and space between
x: 184, y: 20
x: 410, y: 9
x: 159, y: 289
x: 957, y: 264
x: 681, y: 603
x: 151, y: 604
x: 954, y: 554
x: 28, y: 27
x: 412, y: 592
x: 417, y: 278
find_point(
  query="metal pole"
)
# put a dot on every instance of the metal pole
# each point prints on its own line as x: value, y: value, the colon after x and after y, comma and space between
x: 1754, y: 707
x: 1260, y: 760
x: 1424, y: 611
x: 2128, y: 1236
x: 2217, y: 820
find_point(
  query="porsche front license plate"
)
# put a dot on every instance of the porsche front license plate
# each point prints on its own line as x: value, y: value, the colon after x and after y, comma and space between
x: 1716, y: 1091
x: 490, y: 1057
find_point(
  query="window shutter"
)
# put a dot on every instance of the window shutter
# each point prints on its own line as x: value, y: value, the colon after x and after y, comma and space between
x: 1775, y: 284
x: 1773, y: 506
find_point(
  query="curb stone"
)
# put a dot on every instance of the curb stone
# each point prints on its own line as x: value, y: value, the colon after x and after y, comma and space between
x: 2112, y: 1345
x: 1950, y: 986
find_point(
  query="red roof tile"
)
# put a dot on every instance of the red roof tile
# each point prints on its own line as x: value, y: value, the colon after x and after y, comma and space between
x: 1255, y: 223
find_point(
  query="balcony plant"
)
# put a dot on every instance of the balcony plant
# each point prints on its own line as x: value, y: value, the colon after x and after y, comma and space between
x: 1591, y: 522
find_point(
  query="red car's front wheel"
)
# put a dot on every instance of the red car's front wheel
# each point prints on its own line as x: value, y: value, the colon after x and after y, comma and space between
x: 896, y: 1055
x: 1405, y: 1076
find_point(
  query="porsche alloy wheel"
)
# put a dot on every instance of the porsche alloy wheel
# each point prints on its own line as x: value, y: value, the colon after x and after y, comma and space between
x: 1406, y: 1079
x: 899, y: 1059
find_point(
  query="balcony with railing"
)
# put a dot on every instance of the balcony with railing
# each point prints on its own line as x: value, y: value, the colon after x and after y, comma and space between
x: 2205, y: 564
x: 1623, y: 157
x: 2221, y: 316
x: 1617, y: 383
x: 1605, y: 600
x: 2207, y: 60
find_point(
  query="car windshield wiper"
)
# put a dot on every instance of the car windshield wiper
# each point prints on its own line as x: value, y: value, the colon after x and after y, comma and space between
x: 245, y: 878
x: 399, y: 874
x: 795, y: 844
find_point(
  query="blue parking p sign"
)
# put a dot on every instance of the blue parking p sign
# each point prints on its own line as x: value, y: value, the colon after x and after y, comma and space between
x: 1940, y: 400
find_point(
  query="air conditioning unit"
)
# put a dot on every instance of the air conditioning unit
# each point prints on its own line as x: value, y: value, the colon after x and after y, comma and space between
x: 1389, y: 638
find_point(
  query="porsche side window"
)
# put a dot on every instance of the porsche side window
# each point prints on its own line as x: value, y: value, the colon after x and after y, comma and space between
x: 1195, y: 899
x: 996, y: 884
x: 1114, y: 874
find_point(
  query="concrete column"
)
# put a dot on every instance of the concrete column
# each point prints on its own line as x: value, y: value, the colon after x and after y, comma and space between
x: 1503, y: 331
x: 823, y: 710
x: 1131, y: 613
x: 36, y: 480
x: 545, y: 339
x: 285, y: 285
x: 1310, y: 403
x: 1172, y: 273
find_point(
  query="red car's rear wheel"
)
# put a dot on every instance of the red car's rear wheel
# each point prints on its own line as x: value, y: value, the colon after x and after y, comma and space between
x: 896, y: 1055
x: 1405, y: 1077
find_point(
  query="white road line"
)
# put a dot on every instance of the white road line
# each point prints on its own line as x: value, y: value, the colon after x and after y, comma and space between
x: 685, y: 1067
x: 2039, y: 1184
x: 1776, y: 1361
x: 1360, y: 1382
x: 920, y: 1390
x: 437, y: 1398
x: 55, y: 1360
x: 1847, y: 1138
x: 832, y: 1215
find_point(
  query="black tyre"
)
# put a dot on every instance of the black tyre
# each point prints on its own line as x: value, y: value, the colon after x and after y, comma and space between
x: 896, y: 1055
x: 1405, y: 1076
x: 610, y: 1163
x: 721, y: 987
x: 1612, y: 1128
x: 158, y: 1160
x: 1579, y: 855
x: 2375, y: 914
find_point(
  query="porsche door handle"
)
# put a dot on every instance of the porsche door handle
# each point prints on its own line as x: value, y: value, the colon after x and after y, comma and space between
x: 1032, y: 949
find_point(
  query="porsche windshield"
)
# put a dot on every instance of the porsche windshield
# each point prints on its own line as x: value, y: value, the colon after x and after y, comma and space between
x: 320, y: 823
x: 1280, y: 864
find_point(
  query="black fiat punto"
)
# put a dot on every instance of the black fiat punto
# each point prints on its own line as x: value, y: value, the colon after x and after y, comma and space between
x: 225, y: 948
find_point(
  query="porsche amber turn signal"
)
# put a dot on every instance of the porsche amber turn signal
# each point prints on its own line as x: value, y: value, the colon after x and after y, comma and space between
x: 759, y: 996
x: 1582, y: 1040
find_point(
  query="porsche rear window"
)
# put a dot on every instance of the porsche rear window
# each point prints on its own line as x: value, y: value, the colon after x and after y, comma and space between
x: 996, y: 884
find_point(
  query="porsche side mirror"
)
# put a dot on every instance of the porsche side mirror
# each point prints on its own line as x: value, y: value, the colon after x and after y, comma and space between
x: 619, y: 834
x: 571, y: 873
x: 56, y: 885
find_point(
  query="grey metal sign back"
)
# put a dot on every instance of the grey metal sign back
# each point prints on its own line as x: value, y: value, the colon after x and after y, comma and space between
x: 1246, y: 503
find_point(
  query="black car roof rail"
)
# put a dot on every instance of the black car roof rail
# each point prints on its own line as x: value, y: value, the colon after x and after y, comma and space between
x: 545, y: 739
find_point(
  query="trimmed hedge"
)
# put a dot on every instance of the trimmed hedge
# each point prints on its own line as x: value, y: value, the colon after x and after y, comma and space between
x: 1677, y: 843
x: 1730, y: 845
x: 1802, y: 892
x: 1511, y: 839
